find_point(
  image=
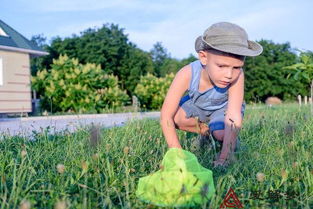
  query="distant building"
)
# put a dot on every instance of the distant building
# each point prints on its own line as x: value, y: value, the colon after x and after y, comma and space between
x: 15, y: 54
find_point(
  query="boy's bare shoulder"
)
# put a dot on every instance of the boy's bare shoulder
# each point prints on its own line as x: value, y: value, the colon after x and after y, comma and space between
x: 181, y: 80
x: 184, y: 72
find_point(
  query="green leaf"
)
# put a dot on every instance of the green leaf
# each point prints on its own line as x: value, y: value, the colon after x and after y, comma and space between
x: 296, y: 76
x: 306, y: 76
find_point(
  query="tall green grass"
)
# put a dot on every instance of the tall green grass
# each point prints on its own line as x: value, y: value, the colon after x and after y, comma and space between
x: 79, y: 171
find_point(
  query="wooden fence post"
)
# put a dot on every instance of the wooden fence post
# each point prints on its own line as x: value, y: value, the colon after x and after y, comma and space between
x: 299, y: 100
x: 135, y: 103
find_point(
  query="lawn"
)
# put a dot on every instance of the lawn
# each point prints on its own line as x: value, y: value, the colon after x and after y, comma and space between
x: 274, y: 166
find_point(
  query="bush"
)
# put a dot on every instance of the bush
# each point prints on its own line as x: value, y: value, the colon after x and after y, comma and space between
x: 71, y: 86
x: 151, y: 90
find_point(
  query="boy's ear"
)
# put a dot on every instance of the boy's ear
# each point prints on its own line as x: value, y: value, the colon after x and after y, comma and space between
x: 203, y: 56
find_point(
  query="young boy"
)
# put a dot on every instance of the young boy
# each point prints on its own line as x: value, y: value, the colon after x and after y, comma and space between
x: 215, y: 87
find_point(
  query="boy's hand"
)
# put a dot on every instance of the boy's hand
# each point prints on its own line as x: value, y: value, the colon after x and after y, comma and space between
x: 225, y: 162
x: 219, y: 162
x: 204, y: 129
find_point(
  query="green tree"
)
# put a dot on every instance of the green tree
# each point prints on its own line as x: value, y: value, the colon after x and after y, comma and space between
x: 303, y: 70
x: 169, y: 65
x: 37, y: 62
x: 187, y: 60
x: 265, y: 76
x: 138, y: 64
x: 159, y: 56
x: 163, y: 62
x: 172, y: 65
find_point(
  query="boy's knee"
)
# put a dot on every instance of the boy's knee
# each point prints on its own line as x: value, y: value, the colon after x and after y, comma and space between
x: 218, y: 134
x: 180, y: 118
x: 177, y: 120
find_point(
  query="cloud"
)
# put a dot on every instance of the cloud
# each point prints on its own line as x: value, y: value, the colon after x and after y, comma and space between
x: 258, y: 23
x: 179, y: 30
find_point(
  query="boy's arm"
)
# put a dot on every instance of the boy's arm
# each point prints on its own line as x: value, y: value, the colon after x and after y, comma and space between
x: 170, y: 106
x: 233, y: 118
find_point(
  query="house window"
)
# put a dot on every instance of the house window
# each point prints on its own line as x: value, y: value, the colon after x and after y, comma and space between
x: 1, y: 72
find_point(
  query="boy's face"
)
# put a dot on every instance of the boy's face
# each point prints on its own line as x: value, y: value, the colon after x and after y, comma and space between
x: 222, y: 69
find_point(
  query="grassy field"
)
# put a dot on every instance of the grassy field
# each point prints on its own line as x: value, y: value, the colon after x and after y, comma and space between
x: 274, y: 168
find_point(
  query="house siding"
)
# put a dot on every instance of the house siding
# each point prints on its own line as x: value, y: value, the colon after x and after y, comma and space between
x: 15, y: 93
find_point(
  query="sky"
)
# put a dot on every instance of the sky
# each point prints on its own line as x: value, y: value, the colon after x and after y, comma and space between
x: 175, y: 24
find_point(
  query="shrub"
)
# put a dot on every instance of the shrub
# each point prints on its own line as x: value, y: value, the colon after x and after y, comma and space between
x: 151, y: 90
x: 71, y: 86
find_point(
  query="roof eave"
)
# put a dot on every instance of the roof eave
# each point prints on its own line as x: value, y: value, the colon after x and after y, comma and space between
x: 32, y: 52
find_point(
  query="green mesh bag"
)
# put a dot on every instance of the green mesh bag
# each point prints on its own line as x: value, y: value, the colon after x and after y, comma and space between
x: 180, y: 182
